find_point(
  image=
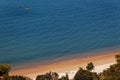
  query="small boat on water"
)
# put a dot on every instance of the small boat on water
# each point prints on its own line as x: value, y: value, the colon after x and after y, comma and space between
x: 27, y: 8
x: 19, y: 6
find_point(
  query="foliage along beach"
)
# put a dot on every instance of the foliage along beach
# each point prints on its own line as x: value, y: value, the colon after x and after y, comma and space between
x: 102, y: 67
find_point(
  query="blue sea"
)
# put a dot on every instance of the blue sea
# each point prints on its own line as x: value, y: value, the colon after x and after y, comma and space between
x: 51, y: 29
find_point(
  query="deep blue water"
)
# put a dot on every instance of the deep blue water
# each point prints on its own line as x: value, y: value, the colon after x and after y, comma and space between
x: 55, y: 28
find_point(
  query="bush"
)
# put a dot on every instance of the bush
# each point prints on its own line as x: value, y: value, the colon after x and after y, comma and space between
x: 4, y: 69
x: 90, y: 66
x: 85, y: 75
x: 19, y: 78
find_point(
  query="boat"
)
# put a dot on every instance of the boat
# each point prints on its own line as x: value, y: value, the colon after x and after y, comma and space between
x: 19, y: 6
x: 27, y: 8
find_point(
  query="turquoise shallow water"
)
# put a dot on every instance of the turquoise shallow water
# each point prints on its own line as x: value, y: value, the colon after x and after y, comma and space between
x: 56, y: 28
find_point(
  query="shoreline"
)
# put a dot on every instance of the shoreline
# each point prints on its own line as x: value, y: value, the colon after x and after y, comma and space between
x: 85, y: 54
x: 66, y: 66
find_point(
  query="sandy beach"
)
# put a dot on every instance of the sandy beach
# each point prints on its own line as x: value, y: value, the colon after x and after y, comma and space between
x: 69, y: 66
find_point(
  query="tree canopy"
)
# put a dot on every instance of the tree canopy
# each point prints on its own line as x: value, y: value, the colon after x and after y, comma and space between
x: 85, y: 75
x: 111, y: 73
x: 90, y: 66
x: 4, y: 69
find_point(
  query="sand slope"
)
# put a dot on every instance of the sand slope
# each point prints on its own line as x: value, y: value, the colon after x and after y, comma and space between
x: 70, y: 66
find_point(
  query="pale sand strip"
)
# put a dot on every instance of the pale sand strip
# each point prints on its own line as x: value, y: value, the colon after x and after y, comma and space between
x: 97, y: 69
x: 70, y: 66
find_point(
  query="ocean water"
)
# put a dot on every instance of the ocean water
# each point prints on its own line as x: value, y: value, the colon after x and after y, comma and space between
x: 55, y: 28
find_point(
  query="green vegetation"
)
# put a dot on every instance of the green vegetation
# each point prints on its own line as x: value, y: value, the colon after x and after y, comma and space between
x: 117, y: 59
x: 112, y: 73
x: 4, y: 73
x: 85, y: 75
x: 19, y: 78
x: 4, y: 69
x: 48, y: 76
x: 90, y: 66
